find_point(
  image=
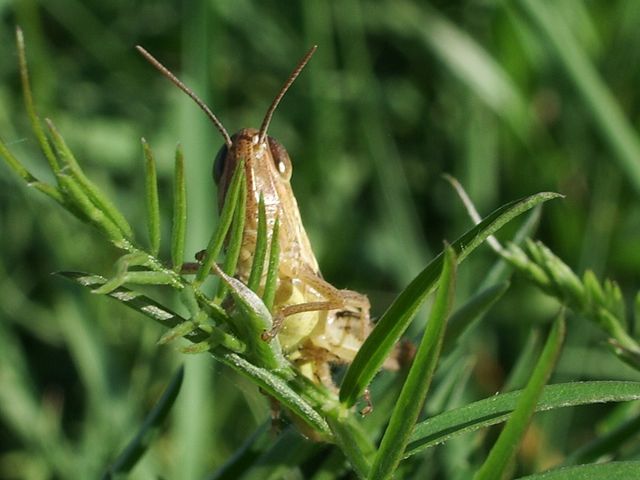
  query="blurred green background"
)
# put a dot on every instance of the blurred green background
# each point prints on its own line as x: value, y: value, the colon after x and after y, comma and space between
x: 511, y: 98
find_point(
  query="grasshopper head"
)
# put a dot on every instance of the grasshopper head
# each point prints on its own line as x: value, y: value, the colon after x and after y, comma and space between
x: 266, y: 162
x: 264, y: 156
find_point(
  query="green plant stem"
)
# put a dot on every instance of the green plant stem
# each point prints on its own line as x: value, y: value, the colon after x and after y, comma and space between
x: 175, y: 280
x: 353, y: 443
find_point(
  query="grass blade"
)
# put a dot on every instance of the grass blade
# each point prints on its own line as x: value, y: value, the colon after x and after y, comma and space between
x: 140, y: 443
x: 604, y: 108
x: 396, y: 319
x: 504, y: 449
x: 414, y: 391
x: 498, y: 408
x: 179, y: 227
x: 464, y: 57
x: 604, y: 471
x: 151, y: 194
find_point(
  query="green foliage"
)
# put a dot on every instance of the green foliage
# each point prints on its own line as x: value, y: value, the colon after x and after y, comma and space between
x: 396, y: 319
x: 415, y: 388
x: 511, y: 98
x: 590, y: 472
x: 504, y: 450
x: 496, y: 409
x: 153, y: 205
x: 601, y: 303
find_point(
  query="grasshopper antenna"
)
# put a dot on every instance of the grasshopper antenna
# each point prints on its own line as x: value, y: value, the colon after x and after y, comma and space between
x: 283, y: 90
x: 176, y: 81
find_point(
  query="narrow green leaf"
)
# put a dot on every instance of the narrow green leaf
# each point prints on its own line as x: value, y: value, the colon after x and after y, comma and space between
x: 277, y: 387
x: 473, y: 308
x: 504, y: 449
x: 26, y: 175
x: 34, y: 119
x: 149, y: 429
x: 235, y: 238
x: 496, y: 409
x: 271, y: 283
x: 602, y: 471
x: 414, y: 391
x: 83, y: 204
x: 255, y: 321
x: 179, y: 227
x: 91, y: 190
x: 180, y: 331
x: 226, y: 216
x: 396, y: 319
x: 260, y: 251
x: 151, y: 193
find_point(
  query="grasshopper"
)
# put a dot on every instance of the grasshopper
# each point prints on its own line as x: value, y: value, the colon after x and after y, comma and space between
x: 317, y: 324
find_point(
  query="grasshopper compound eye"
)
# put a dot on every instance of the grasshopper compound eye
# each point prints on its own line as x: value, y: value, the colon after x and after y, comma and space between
x: 281, y: 158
